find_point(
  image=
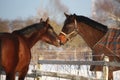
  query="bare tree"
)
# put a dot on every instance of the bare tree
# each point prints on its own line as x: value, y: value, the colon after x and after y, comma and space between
x: 53, y: 9
x: 4, y: 25
x: 107, y: 12
x: 16, y: 24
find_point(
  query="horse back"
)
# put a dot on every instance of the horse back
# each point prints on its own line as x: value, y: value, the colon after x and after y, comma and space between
x: 109, y: 46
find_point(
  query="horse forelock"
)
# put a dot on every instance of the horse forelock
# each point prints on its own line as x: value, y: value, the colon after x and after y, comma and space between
x: 69, y: 19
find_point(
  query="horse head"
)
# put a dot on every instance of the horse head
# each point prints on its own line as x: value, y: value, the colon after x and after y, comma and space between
x: 69, y: 29
x: 49, y: 35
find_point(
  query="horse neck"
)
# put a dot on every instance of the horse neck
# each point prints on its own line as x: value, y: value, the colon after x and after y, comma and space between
x: 90, y: 34
x: 30, y: 37
x: 32, y: 40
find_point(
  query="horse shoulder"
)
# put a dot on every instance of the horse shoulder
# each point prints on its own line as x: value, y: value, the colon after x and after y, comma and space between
x: 24, y: 54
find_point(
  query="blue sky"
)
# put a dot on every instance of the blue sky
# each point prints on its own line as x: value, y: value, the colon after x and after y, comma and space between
x: 12, y: 9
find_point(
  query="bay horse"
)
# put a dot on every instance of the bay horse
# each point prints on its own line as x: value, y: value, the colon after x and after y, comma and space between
x: 91, y: 31
x: 15, y: 47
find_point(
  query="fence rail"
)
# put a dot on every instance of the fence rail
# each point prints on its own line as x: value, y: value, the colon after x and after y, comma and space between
x: 99, y: 63
x: 68, y: 76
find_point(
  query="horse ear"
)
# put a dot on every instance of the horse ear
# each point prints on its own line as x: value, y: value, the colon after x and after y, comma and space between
x: 41, y: 20
x: 66, y: 15
x: 74, y: 15
x: 47, y: 20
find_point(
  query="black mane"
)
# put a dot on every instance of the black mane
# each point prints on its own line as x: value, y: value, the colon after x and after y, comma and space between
x: 92, y: 23
x: 29, y: 29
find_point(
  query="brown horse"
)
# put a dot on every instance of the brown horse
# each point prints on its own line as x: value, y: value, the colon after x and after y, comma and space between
x: 15, y: 47
x: 91, y: 31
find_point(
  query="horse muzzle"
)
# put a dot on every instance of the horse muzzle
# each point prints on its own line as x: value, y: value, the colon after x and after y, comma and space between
x: 63, y: 39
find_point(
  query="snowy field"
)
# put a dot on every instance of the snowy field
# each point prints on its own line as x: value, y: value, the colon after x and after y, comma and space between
x: 67, y: 69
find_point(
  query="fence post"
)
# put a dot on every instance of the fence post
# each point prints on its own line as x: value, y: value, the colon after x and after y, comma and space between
x: 38, y: 67
x: 105, y: 69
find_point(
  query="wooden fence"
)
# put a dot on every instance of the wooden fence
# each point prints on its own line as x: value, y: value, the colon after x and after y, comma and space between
x: 68, y: 76
x: 105, y: 64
